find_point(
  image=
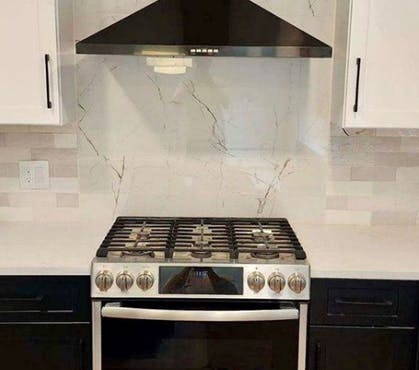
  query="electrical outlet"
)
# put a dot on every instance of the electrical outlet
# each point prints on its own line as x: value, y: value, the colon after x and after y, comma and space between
x: 34, y: 174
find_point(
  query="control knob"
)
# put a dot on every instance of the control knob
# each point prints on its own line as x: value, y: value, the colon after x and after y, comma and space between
x: 276, y: 282
x: 145, y: 281
x: 297, y: 283
x: 104, y: 280
x: 124, y: 281
x: 256, y: 281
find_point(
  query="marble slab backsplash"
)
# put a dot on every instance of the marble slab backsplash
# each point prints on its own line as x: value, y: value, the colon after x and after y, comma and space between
x: 231, y: 137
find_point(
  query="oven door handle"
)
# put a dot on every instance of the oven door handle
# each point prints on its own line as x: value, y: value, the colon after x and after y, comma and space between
x: 118, y: 312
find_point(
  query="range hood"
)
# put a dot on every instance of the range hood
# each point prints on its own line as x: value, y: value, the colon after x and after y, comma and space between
x: 225, y: 28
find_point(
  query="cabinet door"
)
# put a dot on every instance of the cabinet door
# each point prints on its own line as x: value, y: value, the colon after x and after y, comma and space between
x: 346, y: 348
x: 28, y: 33
x: 44, y: 347
x: 382, y: 72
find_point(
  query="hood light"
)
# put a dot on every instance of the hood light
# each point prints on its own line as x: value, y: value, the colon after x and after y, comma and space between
x: 172, y: 66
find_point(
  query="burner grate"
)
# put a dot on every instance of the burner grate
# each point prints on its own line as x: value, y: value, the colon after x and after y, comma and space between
x: 137, y: 236
x: 202, y: 237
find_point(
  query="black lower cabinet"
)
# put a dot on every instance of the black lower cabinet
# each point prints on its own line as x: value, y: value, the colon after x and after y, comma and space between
x: 45, y: 323
x: 363, y: 325
x: 347, y: 348
x: 44, y: 346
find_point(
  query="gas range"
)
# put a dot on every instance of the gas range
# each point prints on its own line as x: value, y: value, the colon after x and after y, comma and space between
x: 209, y: 258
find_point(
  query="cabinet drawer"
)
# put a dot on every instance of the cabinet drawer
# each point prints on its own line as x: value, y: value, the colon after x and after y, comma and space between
x: 44, y: 299
x: 364, y: 302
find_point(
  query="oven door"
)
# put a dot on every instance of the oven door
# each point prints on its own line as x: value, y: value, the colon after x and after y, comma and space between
x: 198, y: 335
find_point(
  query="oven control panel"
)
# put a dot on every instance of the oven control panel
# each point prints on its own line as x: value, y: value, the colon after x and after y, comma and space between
x: 133, y: 280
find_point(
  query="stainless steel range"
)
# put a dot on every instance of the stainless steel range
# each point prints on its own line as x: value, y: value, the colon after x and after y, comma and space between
x: 200, y: 293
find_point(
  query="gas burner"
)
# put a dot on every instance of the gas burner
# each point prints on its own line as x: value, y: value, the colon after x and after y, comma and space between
x: 139, y: 253
x: 266, y: 251
x: 202, y: 237
x: 141, y: 234
x: 201, y: 230
x: 263, y: 235
x: 201, y: 241
x: 265, y: 255
x: 205, y: 253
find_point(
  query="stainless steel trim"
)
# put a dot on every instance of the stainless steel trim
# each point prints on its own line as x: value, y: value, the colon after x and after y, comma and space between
x: 302, y: 336
x: 135, y: 268
x: 97, y: 335
x: 114, y: 311
x: 191, y: 50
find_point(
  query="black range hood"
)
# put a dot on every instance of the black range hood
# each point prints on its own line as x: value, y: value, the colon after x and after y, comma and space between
x: 175, y: 28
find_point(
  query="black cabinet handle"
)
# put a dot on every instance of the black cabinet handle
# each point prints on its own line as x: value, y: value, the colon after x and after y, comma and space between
x: 318, y: 356
x: 22, y: 304
x: 358, y: 76
x: 349, y: 302
x: 47, y: 59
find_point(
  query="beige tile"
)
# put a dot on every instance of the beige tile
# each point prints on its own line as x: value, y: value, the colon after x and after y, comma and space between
x: 408, y: 174
x: 350, y: 188
x: 34, y: 199
x: 9, y: 184
x: 4, y: 200
x: 397, y: 159
x: 410, y: 144
x: 348, y: 217
x: 10, y: 214
x: 352, y: 158
x: 65, y: 140
x: 407, y: 202
x: 340, y: 173
x: 2, y: 143
x: 55, y: 156
x: 9, y: 170
x: 373, y: 173
x: 11, y: 155
x: 28, y: 140
x: 67, y: 200
x: 382, y: 144
x: 393, y: 218
x: 397, y: 132
x: 15, y: 128
x: 59, y: 170
x: 408, y: 188
x: 337, y: 202
x: 385, y: 188
x: 64, y: 185
x: 375, y: 203
x: 366, y: 144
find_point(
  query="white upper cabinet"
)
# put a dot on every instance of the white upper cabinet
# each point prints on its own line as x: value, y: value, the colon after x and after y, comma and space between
x: 36, y: 62
x: 382, y: 64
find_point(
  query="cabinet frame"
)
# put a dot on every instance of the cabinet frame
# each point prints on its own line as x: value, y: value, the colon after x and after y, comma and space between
x: 357, y: 102
x: 55, y: 66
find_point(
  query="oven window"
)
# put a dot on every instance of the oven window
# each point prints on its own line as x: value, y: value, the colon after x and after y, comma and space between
x: 149, y: 345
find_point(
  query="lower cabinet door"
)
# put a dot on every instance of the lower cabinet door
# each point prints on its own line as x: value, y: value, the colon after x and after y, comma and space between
x: 44, y: 347
x: 357, y: 348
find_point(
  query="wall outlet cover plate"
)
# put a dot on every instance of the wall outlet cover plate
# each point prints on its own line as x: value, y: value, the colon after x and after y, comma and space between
x: 34, y: 175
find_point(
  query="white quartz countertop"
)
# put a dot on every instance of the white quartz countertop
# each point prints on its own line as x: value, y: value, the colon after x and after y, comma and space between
x: 359, y: 252
x: 48, y: 249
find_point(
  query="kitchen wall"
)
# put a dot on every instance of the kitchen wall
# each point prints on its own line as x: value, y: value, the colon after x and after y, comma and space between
x: 232, y: 137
